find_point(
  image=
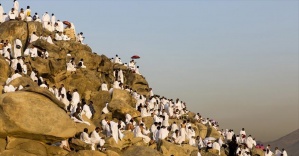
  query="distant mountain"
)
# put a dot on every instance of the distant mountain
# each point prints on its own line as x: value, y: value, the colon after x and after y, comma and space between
x: 289, y: 142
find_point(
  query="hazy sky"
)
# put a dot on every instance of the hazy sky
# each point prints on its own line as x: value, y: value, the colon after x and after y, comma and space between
x: 233, y: 61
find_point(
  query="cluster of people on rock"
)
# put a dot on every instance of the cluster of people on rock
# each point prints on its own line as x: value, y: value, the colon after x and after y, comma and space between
x: 49, y: 23
x: 132, y: 64
x: 160, y: 109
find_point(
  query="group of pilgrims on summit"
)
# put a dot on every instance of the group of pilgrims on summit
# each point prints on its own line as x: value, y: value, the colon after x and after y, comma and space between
x: 161, y: 109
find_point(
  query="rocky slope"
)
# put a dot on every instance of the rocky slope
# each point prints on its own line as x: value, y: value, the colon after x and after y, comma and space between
x: 32, y: 119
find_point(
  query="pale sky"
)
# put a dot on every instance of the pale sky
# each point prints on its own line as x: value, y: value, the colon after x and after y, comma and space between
x: 233, y: 61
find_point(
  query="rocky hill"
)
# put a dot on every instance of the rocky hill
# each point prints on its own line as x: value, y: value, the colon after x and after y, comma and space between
x: 32, y: 119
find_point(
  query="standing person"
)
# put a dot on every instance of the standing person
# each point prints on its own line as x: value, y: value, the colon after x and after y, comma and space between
x: 17, y: 48
x: 1, y: 14
x: 16, y: 7
x: 27, y: 12
x: 284, y: 152
x: 92, y: 110
x: 45, y: 19
x: 53, y: 20
x: 22, y: 15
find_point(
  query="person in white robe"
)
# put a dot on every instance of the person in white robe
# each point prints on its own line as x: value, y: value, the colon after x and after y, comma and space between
x: 268, y: 152
x: 249, y: 142
x: 284, y: 152
x: 104, y: 86
x: 15, y: 75
x: 138, y: 133
x: 29, y: 18
x: 11, y: 14
x: 65, y: 145
x: 144, y: 112
x: 80, y: 37
x: 85, y: 138
x: 33, y: 37
x: 190, y: 135
x: 71, y: 66
x: 53, y: 21
x: 22, y: 15
x: 242, y: 132
x: 59, y: 26
x: 154, y: 127
x: 216, y: 146
x: 58, y: 36
x: 163, y: 133
x: 104, y: 122
x: 114, y: 130
x: 174, y: 127
x: 132, y: 65
x: 14, y: 63
x: 137, y: 70
x: 96, y: 139
x: 121, y: 76
x: 116, y: 85
x: 64, y: 100
x: 49, y: 27
x: 277, y: 152
x: 16, y: 7
x: 116, y: 59
x: 45, y: 19
x: 86, y: 111
x: 75, y: 100
x: 9, y: 88
x: 128, y: 118
x: 17, y: 48
x: 33, y: 52
x: 43, y: 85
x: 49, y: 40
x: 1, y: 13
x: 105, y: 109
x: 81, y: 64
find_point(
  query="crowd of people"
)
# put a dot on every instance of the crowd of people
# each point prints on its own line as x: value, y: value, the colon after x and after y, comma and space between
x: 160, y: 108
x: 57, y: 27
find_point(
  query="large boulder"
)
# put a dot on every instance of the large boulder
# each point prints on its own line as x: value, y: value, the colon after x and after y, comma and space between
x: 139, y: 150
x: 202, y: 130
x: 2, y: 144
x: 121, y: 104
x: 5, y: 70
x: 11, y: 30
x: 172, y: 149
x: 99, y: 102
x: 33, y: 147
x: 24, y: 81
x: 138, y: 83
x: 212, y: 132
x: 34, y: 116
x: 86, y: 153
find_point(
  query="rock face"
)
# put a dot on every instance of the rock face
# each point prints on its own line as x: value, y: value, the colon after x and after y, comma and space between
x: 138, y: 151
x: 37, y: 148
x: 5, y: 71
x: 31, y: 115
x: 121, y: 104
x: 86, y: 153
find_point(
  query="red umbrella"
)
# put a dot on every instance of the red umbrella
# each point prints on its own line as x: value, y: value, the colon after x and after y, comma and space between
x: 67, y: 23
x: 135, y: 57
